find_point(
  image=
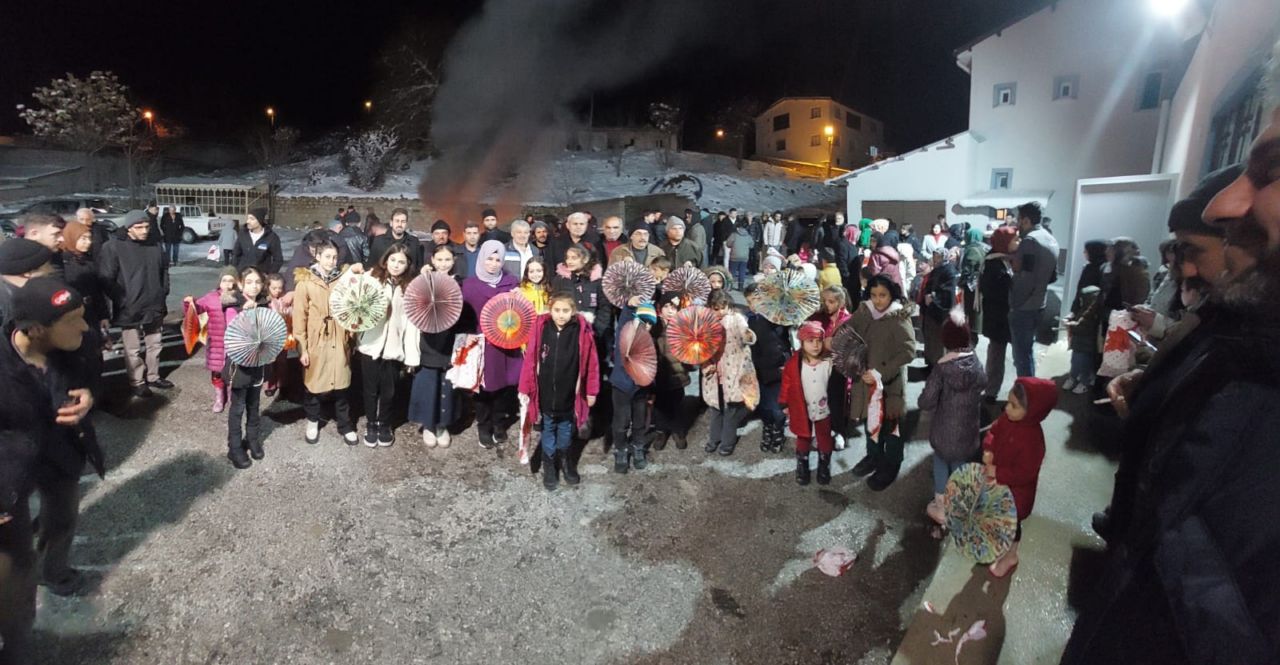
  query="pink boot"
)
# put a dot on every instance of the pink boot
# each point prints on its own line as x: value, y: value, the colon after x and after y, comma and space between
x: 219, y: 398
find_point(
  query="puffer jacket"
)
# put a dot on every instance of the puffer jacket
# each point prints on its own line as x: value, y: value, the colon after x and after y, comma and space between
x: 395, y: 338
x: 953, y: 393
x: 220, y: 311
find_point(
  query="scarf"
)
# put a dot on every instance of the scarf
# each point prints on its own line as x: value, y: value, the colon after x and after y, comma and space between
x: 322, y: 276
x: 489, y: 248
x: 876, y: 315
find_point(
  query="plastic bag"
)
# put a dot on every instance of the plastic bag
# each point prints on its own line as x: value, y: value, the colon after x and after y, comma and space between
x: 1118, y: 348
x: 214, y: 254
x: 467, y: 362
x: 834, y: 561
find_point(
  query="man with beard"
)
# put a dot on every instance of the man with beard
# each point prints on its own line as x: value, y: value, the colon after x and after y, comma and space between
x: 681, y: 252
x: 489, y: 219
x: 398, y: 234
x: 1193, y: 577
x: 637, y: 248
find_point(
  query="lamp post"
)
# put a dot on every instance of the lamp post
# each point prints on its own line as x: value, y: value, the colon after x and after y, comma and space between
x: 271, y: 115
x: 831, y: 145
x: 150, y: 118
x: 368, y: 106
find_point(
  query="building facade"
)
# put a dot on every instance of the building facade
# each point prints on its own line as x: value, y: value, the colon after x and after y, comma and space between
x: 794, y: 129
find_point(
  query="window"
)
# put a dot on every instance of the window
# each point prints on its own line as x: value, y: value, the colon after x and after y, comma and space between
x: 815, y: 140
x: 837, y: 112
x: 780, y: 145
x: 781, y: 121
x: 853, y: 121
x: 1066, y: 87
x: 1149, y: 96
x: 1006, y: 94
x: 815, y: 112
x: 1001, y: 178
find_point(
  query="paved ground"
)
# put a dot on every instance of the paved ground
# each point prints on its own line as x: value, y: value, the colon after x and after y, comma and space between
x: 331, y: 554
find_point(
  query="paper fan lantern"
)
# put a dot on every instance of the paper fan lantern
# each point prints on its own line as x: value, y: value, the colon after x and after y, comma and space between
x: 433, y: 302
x: 848, y: 351
x: 786, y: 298
x: 507, y: 320
x: 255, y: 337
x: 690, y: 283
x: 357, y: 302
x: 696, y: 335
x: 981, y: 516
x: 190, y: 329
x: 639, y: 355
x: 625, y: 280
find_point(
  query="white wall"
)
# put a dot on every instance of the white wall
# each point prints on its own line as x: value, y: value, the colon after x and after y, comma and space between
x: 1239, y: 36
x: 932, y: 173
x: 1136, y: 207
x: 1050, y: 144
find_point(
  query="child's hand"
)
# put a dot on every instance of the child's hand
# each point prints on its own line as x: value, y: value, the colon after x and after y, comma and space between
x: 635, y: 301
x: 250, y: 304
x: 189, y: 300
x: 591, y: 400
x: 426, y: 270
x: 305, y: 359
x: 987, y: 457
x: 869, y: 378
x: 990, y: 471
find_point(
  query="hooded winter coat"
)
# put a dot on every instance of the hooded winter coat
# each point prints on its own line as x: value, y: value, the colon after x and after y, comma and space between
x: 588, y: 380
x: 734, y: 375
x: 1017, y: 448
x: 953, y: 393
x: 327, y: 345
x: 891, y: 346
x: 220, y: 312
x: 884, y: 261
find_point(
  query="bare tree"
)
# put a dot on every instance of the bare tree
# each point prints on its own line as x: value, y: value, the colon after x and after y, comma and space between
x: 407, y: 88
x: 737, y: 119
x: 272, y: 150
x: 666, y: 118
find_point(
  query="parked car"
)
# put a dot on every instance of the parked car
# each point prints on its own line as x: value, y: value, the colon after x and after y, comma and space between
x: 197, y: 223
x: 7, y: 229
x: 66, y: 207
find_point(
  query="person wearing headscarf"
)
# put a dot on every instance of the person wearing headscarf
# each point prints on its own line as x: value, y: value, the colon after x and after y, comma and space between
x: 495, y: 402
x: 971, y: 261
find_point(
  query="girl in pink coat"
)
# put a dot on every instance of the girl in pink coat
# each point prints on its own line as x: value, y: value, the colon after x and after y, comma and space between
x: 220, y: 306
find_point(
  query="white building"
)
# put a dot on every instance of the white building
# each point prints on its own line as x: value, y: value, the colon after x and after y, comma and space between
x: 1103, y: 111
x: 794, y: 129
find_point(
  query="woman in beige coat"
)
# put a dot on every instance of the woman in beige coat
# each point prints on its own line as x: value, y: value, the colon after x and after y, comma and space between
x: 884, y: 322
x: 323, y: 347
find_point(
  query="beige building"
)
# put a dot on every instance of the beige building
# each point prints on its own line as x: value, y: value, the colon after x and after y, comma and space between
x: 794, y: 128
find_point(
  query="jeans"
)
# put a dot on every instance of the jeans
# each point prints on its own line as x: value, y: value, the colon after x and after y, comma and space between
x: 244, y: 408
x: 1022, y: 328
x: 495, y: 411
x: 996, y: 352
x: 141, y: 373
x: 17, y: 586
x: 821, y: 430
x: 739, y: 271
x: 942, y: 471
x: 311, y: 405
x: 557, y: 434
x: 379, y: 376
x: 171, y: 248
x: 630, y: 420
x: 769, y: 410
x: 55, y: 526
x: 1083, y: 367
x: 431, y: 399
x: 724, y: 426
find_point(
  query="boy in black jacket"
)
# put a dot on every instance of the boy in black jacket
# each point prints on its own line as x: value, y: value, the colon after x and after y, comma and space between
x: 769, y: 354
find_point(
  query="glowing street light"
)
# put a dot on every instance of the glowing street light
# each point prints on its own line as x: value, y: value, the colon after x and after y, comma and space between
x: 719, y: 133
x: 271, y: 115
x: 150, y: 118
x: 831, y: 143
x: 368, y: 105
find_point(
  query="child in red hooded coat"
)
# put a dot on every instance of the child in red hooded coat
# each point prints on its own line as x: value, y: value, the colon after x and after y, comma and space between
x: 1014, y: 449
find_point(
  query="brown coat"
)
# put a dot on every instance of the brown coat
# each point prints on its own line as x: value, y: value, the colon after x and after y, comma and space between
x: 891, y: 346
x: 623, y: 252
x: 319, y: 336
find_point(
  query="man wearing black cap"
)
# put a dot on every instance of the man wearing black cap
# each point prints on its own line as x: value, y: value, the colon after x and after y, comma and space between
x: 20, y: 260
x: 45, y: 440
x: 137, y: 272
x: 489, y: 220
x: 257, y: 246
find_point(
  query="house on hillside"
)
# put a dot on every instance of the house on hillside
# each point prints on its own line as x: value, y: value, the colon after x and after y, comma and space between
x: 1104, y: 112
x: 794, y: 129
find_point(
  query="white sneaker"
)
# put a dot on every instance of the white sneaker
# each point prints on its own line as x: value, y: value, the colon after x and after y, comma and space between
x: 1069, y: 383
x: 313, y: 431
x: 839, y: 442
x: 442, y: 438
x: 428, y: 438
x: 352, y: 439
x: 1081, y: 388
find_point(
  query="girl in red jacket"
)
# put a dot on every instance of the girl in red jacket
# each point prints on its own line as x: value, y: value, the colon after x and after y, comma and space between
x: 1013, y: 450
x: 805, y: 397
x: 561, y: 378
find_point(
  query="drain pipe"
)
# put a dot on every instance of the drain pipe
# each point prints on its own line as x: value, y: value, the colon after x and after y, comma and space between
x: 1162, y: 137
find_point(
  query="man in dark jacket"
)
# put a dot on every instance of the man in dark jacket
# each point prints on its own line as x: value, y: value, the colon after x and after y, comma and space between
x: 137, y: 272
x: 356, y: 243
x: 352, y: 218
x: 171, y: 226
x: 489, y: 220
x: 1192, y: 578
x: 398, y: 234
x: 575, y: 232
x: 45, y: 439
x: 257, y: 246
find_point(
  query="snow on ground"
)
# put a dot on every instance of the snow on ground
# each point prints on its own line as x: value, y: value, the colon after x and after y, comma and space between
x: 586, y: 176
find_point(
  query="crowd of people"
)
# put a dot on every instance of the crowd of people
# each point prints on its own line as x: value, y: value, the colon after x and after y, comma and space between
x: 1191, y: 525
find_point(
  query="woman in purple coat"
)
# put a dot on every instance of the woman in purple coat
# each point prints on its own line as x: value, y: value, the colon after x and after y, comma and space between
x: 495, y: 402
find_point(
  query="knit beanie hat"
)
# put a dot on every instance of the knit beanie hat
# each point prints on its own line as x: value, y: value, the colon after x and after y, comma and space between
x: 260, y: 214
x: 19, y: 256
x: 1002, y: 238
x: 441, y: 225
x: 646, y: 312
x: 488, y: 212
x: 955, y: 331
x: 231, y: 271
x: 1187, y: 215
x: 674, y: 221
x: 639, y: 225
x: 672, y: 297
x: 810, y: 330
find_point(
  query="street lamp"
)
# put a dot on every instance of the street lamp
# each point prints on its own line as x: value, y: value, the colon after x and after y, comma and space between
x: 831, y: 142
x: 719, y: 133
x: 271, y: 115
x: 150, y: 118
x: 368, y: 105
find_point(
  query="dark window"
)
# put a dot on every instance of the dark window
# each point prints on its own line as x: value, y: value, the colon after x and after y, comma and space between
x: 1005, y: 94
x: 1001, y: 178
x: 815, y: 112
x: 815, y: 140
x: 854, y: 121
x: 1152, y: 84
x: 781, y: 145
x: 781, y: 121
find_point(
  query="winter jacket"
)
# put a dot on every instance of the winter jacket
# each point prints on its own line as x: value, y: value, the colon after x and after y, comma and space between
x: 557, y: 374
x: 696, y: 235
x: 683, y: 253
x: 791, y: 397
x: 734, y: 377
x: 1087, y: 315
x: 537, y: 296
x: 829, y: 276
x: 884, y: 261
x: 619, y: 380
x: 932, y: 243
x: 740, y: 245
x: 495, y: 234
x: 220, y: 312
x: 993, y: 287
x: 940, y: 283
x: 319, y: 336
x: 356, y: 243
x: 829, y: 322
x: 891, y: 346
x: 771, y: 349
x: 227, y: 238
x: 1036, y: 267
x: 265, y: 254
x: 588, y: 379
x: 501, y: 366
x: 395, y: 338
x: 625, y: 252
x: 971, y: 260
x: 1126, y: 284
x: 672, y: 377
x: 379, y: 246
x: 137, y: 274
x: 589, y: 296
x: 514, y: 260
x: 774, y: 233
x: 81, y: 273
x: 1017, y: 448
x: 1090, y: 275
x: 953, y: 392
x: 557, y: 245
x: 171, y: 228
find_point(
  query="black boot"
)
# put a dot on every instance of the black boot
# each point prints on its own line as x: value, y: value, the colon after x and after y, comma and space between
x: 887, y: 469
x: 550, y: 475
x: 682, y: 440
x: 659, y: 440
x: 620, y: 463
x: 802, y: 468
x: 824, y: 468
x: 766, y: 437
x: 254, y: 445
x: 571, y: 476
x: 869, y: 463
x: 238, y: 458
x: 779, y: 438
x: 639, y: 457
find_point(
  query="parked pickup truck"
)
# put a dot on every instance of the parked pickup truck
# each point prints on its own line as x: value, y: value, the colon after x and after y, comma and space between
x: 197, y: 223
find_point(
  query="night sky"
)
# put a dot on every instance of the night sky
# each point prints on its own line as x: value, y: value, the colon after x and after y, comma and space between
x: 214, y: 66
